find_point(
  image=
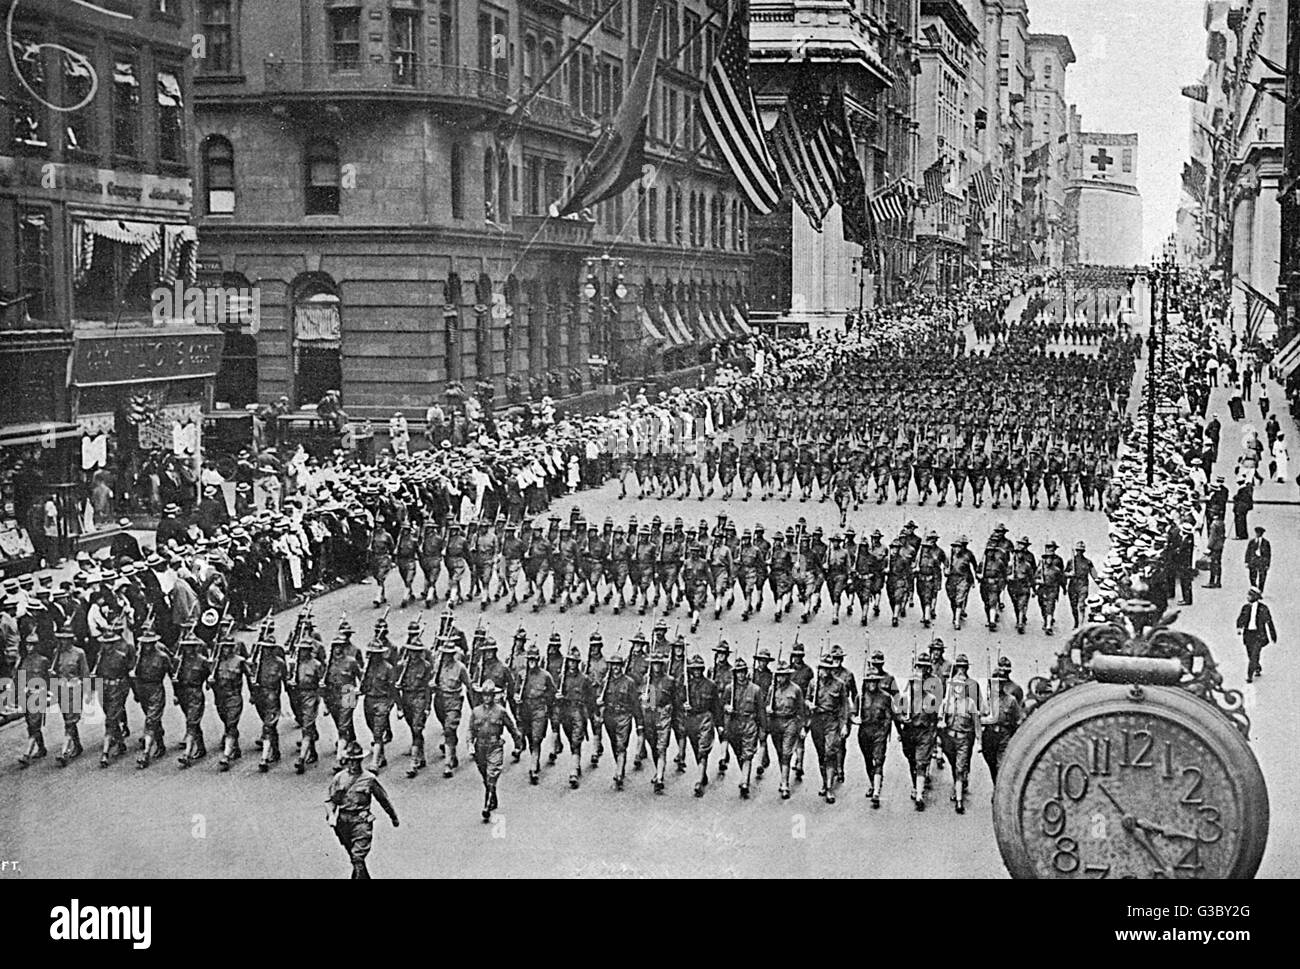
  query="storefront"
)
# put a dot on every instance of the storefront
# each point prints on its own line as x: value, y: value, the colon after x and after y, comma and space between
x: 138, y: 398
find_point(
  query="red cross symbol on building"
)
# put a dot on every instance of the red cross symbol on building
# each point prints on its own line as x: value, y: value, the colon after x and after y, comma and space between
x: 1102, y: 159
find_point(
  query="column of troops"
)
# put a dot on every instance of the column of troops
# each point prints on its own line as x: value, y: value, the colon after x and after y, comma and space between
x: 545, y: 702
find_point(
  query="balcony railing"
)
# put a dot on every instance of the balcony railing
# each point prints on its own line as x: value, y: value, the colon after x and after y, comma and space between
x: 546, y: 231
x: 391, y: 77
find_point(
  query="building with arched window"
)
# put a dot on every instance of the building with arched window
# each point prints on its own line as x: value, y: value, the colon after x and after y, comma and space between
x: 368, y: 168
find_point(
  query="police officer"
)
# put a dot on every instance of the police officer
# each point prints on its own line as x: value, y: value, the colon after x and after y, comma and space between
x: 350, y: 794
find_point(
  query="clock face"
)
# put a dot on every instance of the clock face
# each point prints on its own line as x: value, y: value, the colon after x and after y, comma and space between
x: 1130, y: 795
x: 1114, y: 781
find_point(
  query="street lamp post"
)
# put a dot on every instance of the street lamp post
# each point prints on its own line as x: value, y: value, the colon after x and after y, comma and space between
x: 602, y: 293
x: 1152, y: 278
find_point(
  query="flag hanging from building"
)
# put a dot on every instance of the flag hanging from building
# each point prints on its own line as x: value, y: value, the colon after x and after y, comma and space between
x: 1197, y: 92
x: 802, y: 146
x: 618, y: 157
x: 887, y: 204
x: 1257, y: 307
x: 731, y: 118
x: 983, y: 186
x: 1039, y: 157
x: 934, y: 177
x: 1287, y: 359
x: 1194, y: 179
x: 852, y: 185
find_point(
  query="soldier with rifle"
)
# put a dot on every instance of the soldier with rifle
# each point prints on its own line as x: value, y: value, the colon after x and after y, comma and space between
x: 429, y: 547
x: 828, y: 722
x: 114, y: 668
x: 513, y: 549
x: 637, y: 669
x: 379, y: 689
x: 958, y: 720
x: 533, y: 702
x: 720, y: 674
x: 787, y: 715
x: 492, y: 670
x: 451, y: 686
x: 267, y: 671
x: 455, y: 555
x: 762, y: 677
x: 700, y: 703
x: 576, y: 703
x: 617, y: 699
x: 745, y: 710
x: 960, y: 579
x: 343, y: 671
x: 1002, y: 715
x: 413, y: 675
x: 874, y: 718
x: 658, y: 703
x: 406, y: 550
x: 916, y: 718
x: 595, y: 670
x: 193, y: 666
x: 153, y: 664
x: 488, y: 720
x: 228, y: 675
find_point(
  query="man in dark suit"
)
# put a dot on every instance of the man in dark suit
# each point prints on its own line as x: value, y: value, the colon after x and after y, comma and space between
x: 1242, y: 503
x: 1255, y: 623
x: 1259, y: 556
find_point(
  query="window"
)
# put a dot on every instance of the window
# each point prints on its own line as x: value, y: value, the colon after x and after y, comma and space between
x: 1126, y: 159
x: 530, y: 61
x: 345, y: 39
x: 404, y: 47
x: 322, y: 196
x: 492, y: 45
x: 532, y: 185
x: 448, y: 53
x: 614, y: 22
x: 548, y: 62
x: 121, y: 276
x: 677, y: 218
x: 171, y: 118
x: 1047, y: 70
x: 35, y: 263
x: 219, y: 176
x: 217, y: 23
x: 457, y: 180
x: 695, y: 50
x: 670, y: 126
x: 1004, y: 76
x: 672, y: 37
x: 653, y: 215
x: 642, y: 224
x: 80, y: 131
x: 126, y: 107
x: 645, y: 12
x: 695, y: 220
x: 28, y: 126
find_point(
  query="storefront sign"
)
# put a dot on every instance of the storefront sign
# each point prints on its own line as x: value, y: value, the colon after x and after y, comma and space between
x: 96, y: 186
x: 134, y: 359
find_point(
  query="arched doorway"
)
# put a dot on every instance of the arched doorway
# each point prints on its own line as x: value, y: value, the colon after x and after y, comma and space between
x: 317, y: 338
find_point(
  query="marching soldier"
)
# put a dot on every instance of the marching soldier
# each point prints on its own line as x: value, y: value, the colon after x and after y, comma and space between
x: 875, y: 716
x: 958, y: 718
x: 787, y: 714
x: 151, y: 670
x: 699, y: 700
x: 1050, y: 582
x: 993, y: 579
x: 343, y: 672
x: 1003, y: 717
x: 350, y: 793
x: 1078, y: 571
x: 899, y: 578
x: 533, y: 702
x: 828, y: 723
x: 191, y: 677
x: 455, y: 556
x: 576, y: 703
x: 617, y: 700
x: 1020, y: 581
x: 430, y: 549
x: 381, y: 560
x: 837, y: 576
x: 115, y: 666
x: 720, y: 674
x: 487, y: 721
x: 228, y: 695
x: 378, y: 687
x: 303, y: 679
x: 916, y: 718
x: 405, y: 553
x: 762, y: 678
x: 658, y: 703
x: 35, y: 668
x: 961, y: 577
x: 69, y: 674
x: 267, y: 675
x: 744, y: 705
x: 930, y: 564
x: 451, y: 684
x: 414, y: 681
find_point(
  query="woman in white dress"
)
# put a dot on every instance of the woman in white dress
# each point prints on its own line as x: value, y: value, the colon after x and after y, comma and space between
x: 1282, y: 458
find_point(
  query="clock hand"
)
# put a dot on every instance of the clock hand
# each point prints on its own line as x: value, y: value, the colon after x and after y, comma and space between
x: 1157, y: 829
x: 1135, y: 829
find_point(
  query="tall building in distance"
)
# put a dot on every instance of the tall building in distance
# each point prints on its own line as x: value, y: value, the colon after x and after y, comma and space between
x: 868, y: 47
x: 1103, y: 204
x: 382, y: 174
x: 1046, y: 137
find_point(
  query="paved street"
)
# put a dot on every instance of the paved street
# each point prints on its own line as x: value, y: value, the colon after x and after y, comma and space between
x: 122, y: 821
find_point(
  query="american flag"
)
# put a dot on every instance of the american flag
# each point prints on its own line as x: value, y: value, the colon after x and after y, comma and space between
x: 984, y: 186
x: 802, y: 145
x: 887, y: 204
x: 1257, y: 306
x: 858, y: 224
x: 1288, y: 358
x: 731, y: 118
x: 934, y: 177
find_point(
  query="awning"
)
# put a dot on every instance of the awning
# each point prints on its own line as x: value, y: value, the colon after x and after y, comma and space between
x: 666, y: 326
x: 705, y: 326
x: 688, y: 335
x: 648, y: 325
x: 720, y: 319
x: 738, y: 318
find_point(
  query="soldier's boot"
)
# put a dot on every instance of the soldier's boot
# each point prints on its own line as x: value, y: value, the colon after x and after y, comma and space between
x: 835, y: 615
x: 918, y: 795
x: 639, y: 759
x: 959, y: 795
x: 726, y: 759
x: 876, y: 783
x: 149, y: 752
x: 600, y: 748
x: 575, y: 771
x: 798, y: 760
x: 744, y: 785
x: 190, y: 753
x: 31, y: 754
x: 695, y: 620
x: 620, y: 770
x: 784, y: 789
x: 487, y: 803
x: 703, y: 782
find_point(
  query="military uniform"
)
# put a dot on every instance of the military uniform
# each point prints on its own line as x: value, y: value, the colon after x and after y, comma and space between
x: 487, y: 722
x: 350, y: 794
x: 451, y: 685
